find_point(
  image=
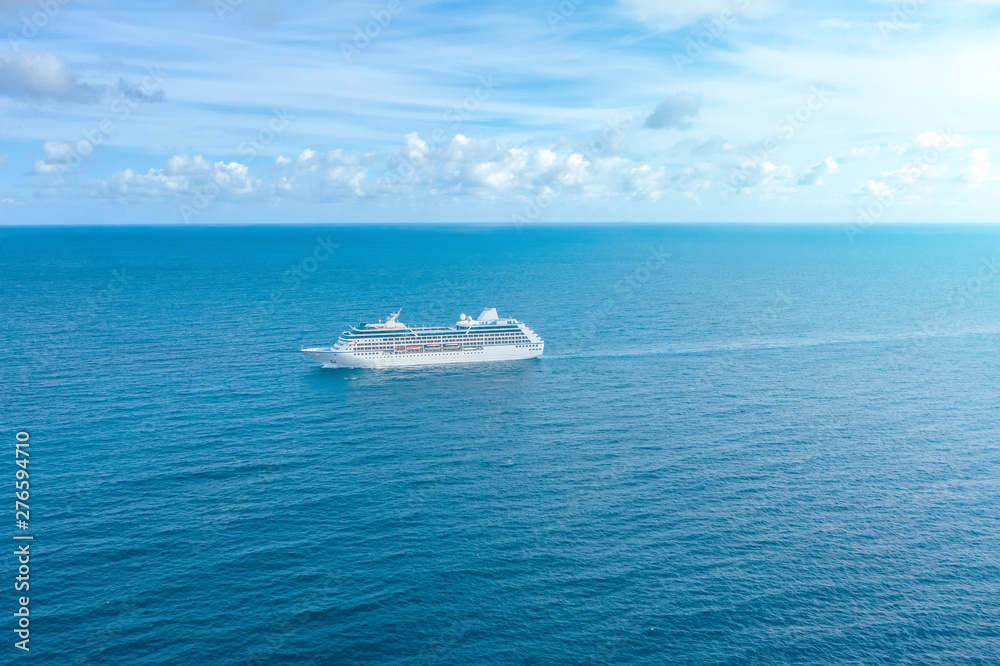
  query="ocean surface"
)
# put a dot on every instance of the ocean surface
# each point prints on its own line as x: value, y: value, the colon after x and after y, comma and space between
x: 742, y: 445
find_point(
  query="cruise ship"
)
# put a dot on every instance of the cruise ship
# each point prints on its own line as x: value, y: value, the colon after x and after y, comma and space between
x: 392, y: 344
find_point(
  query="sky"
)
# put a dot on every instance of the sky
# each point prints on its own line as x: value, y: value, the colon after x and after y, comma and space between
x: 544, y: 112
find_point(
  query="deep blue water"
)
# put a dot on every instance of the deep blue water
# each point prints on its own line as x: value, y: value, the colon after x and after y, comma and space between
x: 743, y: 445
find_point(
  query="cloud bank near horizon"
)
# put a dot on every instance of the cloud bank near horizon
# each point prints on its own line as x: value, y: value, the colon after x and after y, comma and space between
x: 584, y: 110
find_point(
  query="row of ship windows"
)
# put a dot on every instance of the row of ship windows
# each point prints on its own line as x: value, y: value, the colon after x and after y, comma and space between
x: 500, y: 339
x: 403, y: 331
x: 427, y: 337
x: 402, y: 336
x: 466, y: 351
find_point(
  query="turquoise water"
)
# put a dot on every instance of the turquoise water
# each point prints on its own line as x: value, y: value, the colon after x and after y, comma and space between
x: 743, y: 444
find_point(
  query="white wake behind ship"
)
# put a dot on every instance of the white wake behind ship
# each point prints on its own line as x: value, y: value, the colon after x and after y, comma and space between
x: 393, y: 344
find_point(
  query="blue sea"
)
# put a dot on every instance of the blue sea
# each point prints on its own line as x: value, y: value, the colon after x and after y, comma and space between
x: 744, y: 444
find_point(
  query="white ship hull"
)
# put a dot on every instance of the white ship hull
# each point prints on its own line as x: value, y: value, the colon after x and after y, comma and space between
x: 391, y: 344
x: 338, y: 359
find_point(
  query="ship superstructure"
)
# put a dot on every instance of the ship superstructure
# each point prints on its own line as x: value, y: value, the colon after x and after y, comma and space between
x: 394, y: 344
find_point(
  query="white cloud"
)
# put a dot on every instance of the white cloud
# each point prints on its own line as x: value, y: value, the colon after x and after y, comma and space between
x: 908, y: 174
x: 981, y: 170
x: 866, y: 151
x: 677, y: 112
x: 306, y: 161
x: 494, y: 171
x: 59, y: 157
x: 765, y: 179
x: 57, y: 152
x: 923, y: 166
x: 153, y: 183
x: 41, y: 168
x: 180, y: 165
x: 182, y: 175
x: 487, y: 168
x: 44, y: 76
x: 875, y: 188
x: 927, y: 149
x: 814, y: 174
x: 352, y: 177
x: 475, y: 167
x: 340, y: 170
x: 416, y: 148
